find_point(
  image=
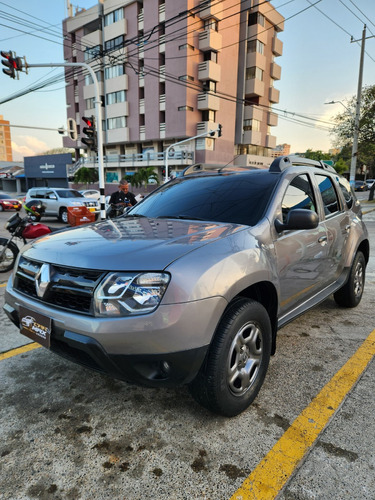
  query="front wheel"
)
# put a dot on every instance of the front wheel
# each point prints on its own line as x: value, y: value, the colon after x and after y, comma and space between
x: 63, y: 216
x: 237, y: 361
x: 350, y: 294
x: 8, y: 255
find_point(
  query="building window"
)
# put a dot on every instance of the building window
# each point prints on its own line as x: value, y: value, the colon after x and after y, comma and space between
x: 90, y: 103
x: 210, y: 55
x: 185, y: 108
x: 115, y: 43
x: 114, y: 71
x: 251, y: 125
x: 209, y: 115
x: 186, y: 46
x: 113, y: 17
x: 118, y: 122
x: 255, y: 46
x: 254, y: 72
x: 115, y: 97
x: 209, y: 86
x: 186, y: 78
x: 256, y: 18
x: 92, y: 52
x: 90, y: 81
x: 211, y: 24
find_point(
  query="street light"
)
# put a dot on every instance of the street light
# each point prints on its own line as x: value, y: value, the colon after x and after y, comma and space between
x: 342, y: 104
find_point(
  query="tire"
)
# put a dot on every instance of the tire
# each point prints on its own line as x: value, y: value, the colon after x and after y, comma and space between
x: 63, y: 215
x: 7, y: 259
x: 1, y: 208
x: 237, y: 361
x: 350, y: 294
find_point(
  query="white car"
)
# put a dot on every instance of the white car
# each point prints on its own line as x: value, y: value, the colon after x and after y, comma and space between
x: 369, y: 183
x: 91, y: 193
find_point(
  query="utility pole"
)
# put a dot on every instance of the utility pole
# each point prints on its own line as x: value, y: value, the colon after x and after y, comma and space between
x: 353, y: 163
x: 210, y: 133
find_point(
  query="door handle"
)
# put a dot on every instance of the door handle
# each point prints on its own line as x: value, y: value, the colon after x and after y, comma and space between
x: 323, y: 240
x: 347, y: 228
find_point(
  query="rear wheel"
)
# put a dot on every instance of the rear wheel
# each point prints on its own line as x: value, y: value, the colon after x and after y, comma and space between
x: 350, y: 294
x: 1, y: 208
x: 8, y: 255
x: 237, y: 361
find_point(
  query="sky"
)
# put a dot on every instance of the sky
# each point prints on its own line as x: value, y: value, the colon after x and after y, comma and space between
x: 319, y: 64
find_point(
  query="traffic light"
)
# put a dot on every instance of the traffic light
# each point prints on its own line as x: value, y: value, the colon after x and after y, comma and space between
x: 90, y: 131
x: 219, y: 130
x: 11, y: 63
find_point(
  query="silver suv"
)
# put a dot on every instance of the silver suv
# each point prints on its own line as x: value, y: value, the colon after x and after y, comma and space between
x: 192, y: 284
x: 57, y: 200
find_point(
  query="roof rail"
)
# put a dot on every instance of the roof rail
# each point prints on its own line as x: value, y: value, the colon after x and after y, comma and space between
x: 201, y: 167
x: 282, y: 162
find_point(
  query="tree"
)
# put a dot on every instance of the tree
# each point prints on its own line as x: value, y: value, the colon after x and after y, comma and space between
x: 317, y: 155
x: 86, y: 176
x: 143, y: 176
x: 344, y: 130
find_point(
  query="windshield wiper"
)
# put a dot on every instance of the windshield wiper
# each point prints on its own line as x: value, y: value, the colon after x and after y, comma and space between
x: 184, y: 217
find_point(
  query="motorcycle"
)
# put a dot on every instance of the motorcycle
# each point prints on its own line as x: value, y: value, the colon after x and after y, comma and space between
x: 21, y: 228
x: 116, y: 209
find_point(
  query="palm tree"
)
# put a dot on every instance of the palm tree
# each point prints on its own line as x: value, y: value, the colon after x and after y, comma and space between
x: 86, y: 176
x: 143, y: 176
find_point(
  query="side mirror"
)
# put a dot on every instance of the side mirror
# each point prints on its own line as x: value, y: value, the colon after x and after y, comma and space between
x: 299, y: 218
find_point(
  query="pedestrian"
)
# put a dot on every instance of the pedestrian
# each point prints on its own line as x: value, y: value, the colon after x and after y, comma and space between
x: 123, y: 196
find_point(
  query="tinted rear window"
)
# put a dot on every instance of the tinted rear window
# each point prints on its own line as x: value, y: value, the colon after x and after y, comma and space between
x: 69, y: 193
x: 234, y: 198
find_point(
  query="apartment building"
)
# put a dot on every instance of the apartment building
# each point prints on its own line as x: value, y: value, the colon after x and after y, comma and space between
x: 281, y: 150
x: 169, y: 70
x: 5, y: 141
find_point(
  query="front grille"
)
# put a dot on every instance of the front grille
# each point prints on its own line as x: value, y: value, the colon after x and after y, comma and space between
x: 68, y: 288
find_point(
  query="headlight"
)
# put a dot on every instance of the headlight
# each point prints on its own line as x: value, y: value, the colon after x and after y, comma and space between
x: 76, y: 204
x: 126, y: 294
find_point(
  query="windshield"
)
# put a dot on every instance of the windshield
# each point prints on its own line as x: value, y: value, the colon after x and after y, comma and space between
x: 235, y: 198
x: 69, y: 193
x: 5, y: 197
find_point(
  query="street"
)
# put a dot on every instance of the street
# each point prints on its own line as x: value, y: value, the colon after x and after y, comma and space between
x: 70, y: 433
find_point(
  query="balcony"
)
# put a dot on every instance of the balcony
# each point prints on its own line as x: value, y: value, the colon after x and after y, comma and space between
x: 116, y: 29
x: 253, y: 137
x: 162, y: 74
x: 208, y: 101
x: 271, y: 14
x: 141, y: 79
x: 162, y: 43
x: 118, y: 135
x: 162, y: 130
x: 210, y: 40
x: 256, y: 59
x: 274, y: 95
x: 254, y: 87
x: 140, y: 20
x: 253, y: 113
x: 256, y: 31
x: 142, y: 133
x: 141, y: 106
x: 206, y: 127
x: 214, y: 10
x: 209, y: 70
x: 272, y: 119
x: 270, y: 141
x: 162, y: 102
x: 277, y: 46
x: 162, y: 13
x: 275, y: 71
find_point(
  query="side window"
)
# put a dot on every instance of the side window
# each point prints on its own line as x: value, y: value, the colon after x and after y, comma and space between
x: 299, y: 194
x: 329, y: 195
x: 38, y: 194
x: 346, y: 191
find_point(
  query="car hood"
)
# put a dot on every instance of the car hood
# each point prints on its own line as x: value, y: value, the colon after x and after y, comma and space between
x: 130, y: 243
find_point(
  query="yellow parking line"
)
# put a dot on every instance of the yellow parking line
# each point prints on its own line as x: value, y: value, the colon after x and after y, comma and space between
x: 19, y: 350
x: 3, y: 284
x: 272, y: 473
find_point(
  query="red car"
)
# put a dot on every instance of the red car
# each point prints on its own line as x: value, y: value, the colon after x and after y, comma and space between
x: 9, y: 203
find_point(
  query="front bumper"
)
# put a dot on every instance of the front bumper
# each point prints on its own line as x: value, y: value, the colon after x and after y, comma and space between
x: 164, y: 348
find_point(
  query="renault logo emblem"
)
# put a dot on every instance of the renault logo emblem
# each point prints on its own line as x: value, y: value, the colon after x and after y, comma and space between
x: 42, y: 280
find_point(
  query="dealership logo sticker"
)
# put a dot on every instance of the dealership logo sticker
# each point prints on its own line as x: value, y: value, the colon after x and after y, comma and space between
x: 35, y: 326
